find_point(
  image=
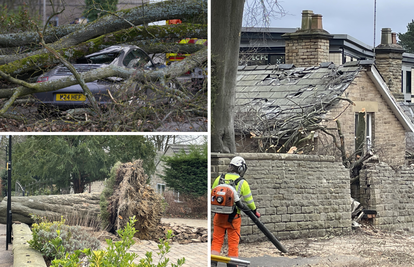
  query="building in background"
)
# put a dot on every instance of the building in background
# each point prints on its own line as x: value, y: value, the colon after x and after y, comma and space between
x: 267, y: 46
x: 156, y: 180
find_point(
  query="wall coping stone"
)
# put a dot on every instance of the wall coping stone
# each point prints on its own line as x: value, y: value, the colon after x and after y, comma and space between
x: 23, y: 254
x: 275, y: 156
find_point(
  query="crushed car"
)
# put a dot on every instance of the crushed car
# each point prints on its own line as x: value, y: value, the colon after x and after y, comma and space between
x: 129, y: 56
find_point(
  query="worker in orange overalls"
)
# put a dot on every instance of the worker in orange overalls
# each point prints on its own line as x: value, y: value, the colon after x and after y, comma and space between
x: 231, y: 223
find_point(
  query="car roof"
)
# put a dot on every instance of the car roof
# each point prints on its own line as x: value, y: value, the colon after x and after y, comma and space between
x: 112, y: 49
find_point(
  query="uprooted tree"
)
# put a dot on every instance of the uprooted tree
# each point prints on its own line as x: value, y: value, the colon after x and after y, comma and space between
x: 127, y: 194
x: 39, y: 50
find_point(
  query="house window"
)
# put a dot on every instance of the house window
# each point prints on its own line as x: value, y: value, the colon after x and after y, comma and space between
x: 406, y: 83
x: 368, y: 130
x: 160, y: 189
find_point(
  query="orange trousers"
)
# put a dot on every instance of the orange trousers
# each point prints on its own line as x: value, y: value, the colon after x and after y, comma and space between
x: 221, y: 226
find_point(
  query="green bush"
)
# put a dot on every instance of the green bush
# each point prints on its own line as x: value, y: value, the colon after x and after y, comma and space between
x: 187, y: 173
x: 55, y: 239
x: 116, y: 254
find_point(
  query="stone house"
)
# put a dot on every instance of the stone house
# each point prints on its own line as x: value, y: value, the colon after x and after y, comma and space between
x: 308, y: 93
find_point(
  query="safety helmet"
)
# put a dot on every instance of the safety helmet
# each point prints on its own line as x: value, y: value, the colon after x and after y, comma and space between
x: 240, y: 163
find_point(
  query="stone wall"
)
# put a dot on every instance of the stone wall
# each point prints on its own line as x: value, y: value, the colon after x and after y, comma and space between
x: 389, y: 192
x: 297, y: 195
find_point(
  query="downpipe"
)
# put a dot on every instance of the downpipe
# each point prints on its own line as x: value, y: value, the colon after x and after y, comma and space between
x: 261, y: 226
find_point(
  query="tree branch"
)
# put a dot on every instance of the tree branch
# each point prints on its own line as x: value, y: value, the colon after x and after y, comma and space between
x: 82, y: 83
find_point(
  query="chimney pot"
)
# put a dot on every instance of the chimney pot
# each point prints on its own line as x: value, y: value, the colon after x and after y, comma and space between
x: 306, y: 19
x: 394, y: 38
x: 386, y: 36
x: 316, y: 22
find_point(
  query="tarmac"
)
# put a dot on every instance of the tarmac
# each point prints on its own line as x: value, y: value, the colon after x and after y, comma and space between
x: 6, y: 256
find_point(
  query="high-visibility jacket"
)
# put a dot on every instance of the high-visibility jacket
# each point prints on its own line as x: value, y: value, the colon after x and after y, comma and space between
x: 242, y: 188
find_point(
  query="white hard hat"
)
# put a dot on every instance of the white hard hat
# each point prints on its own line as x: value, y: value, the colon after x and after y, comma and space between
x: 240, y: 163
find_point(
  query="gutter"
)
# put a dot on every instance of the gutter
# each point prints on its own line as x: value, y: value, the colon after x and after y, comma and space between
x: 386, y: 94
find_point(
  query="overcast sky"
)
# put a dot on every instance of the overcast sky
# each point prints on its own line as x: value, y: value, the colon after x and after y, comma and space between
x: 352, y: 17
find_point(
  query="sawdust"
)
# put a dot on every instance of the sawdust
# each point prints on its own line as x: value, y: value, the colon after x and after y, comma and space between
x: 363, y: 247
x: 133, y: 197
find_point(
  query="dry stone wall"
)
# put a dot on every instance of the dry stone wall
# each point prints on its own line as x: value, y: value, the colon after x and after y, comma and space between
x: 297, y: 195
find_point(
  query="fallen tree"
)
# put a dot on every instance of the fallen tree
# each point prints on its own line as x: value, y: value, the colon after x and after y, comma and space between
x: 19, y: 70
x: 84, y: 206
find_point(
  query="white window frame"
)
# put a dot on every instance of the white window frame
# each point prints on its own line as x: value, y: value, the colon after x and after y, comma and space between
x: 368, y: 129
x: 160, y: 188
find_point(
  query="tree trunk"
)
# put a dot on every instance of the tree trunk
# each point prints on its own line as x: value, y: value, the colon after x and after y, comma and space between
x: 74, y: 205
x: 226, y: 18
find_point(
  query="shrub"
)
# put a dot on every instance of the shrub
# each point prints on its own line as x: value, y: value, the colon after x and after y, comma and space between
x: 116, y: 254
x: 55, y: 239
x: 187, y: 173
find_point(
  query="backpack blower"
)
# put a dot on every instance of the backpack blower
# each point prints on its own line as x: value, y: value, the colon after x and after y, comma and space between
x: 224, y: 199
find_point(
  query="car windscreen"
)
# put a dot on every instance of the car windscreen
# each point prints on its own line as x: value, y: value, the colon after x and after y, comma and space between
x: 137, y: 59
x: 99, y: 59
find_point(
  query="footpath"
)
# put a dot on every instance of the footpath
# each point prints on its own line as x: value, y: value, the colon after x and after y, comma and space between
x: 6, y: 256
x: 195, y: 254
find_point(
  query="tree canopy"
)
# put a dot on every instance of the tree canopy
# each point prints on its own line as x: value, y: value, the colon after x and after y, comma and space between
x: 406, y: 40
x: 187, y: 173
x: 76, y: 160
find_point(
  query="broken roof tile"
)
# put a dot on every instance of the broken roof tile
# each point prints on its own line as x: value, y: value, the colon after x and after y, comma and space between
x: 283, y: 92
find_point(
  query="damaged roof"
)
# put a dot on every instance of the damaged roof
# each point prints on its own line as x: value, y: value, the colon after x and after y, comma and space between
x: 281, y: 98
x: 268, y: 96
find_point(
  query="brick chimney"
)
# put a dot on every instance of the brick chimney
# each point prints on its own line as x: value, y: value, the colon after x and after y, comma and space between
x: 388, y: 59
x: 308, y: 46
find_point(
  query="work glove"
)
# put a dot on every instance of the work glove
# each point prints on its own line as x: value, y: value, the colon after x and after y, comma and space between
x: 256, y: 213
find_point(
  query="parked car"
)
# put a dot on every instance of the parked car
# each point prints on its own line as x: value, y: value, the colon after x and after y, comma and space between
x: 129, y: 56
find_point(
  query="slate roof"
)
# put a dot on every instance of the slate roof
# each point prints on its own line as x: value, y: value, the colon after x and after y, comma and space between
x: 270, y: 96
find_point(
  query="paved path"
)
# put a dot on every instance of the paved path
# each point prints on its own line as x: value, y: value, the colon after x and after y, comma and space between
x: 189, y: 222
x: 6, y: 258
x: 195, y: 254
